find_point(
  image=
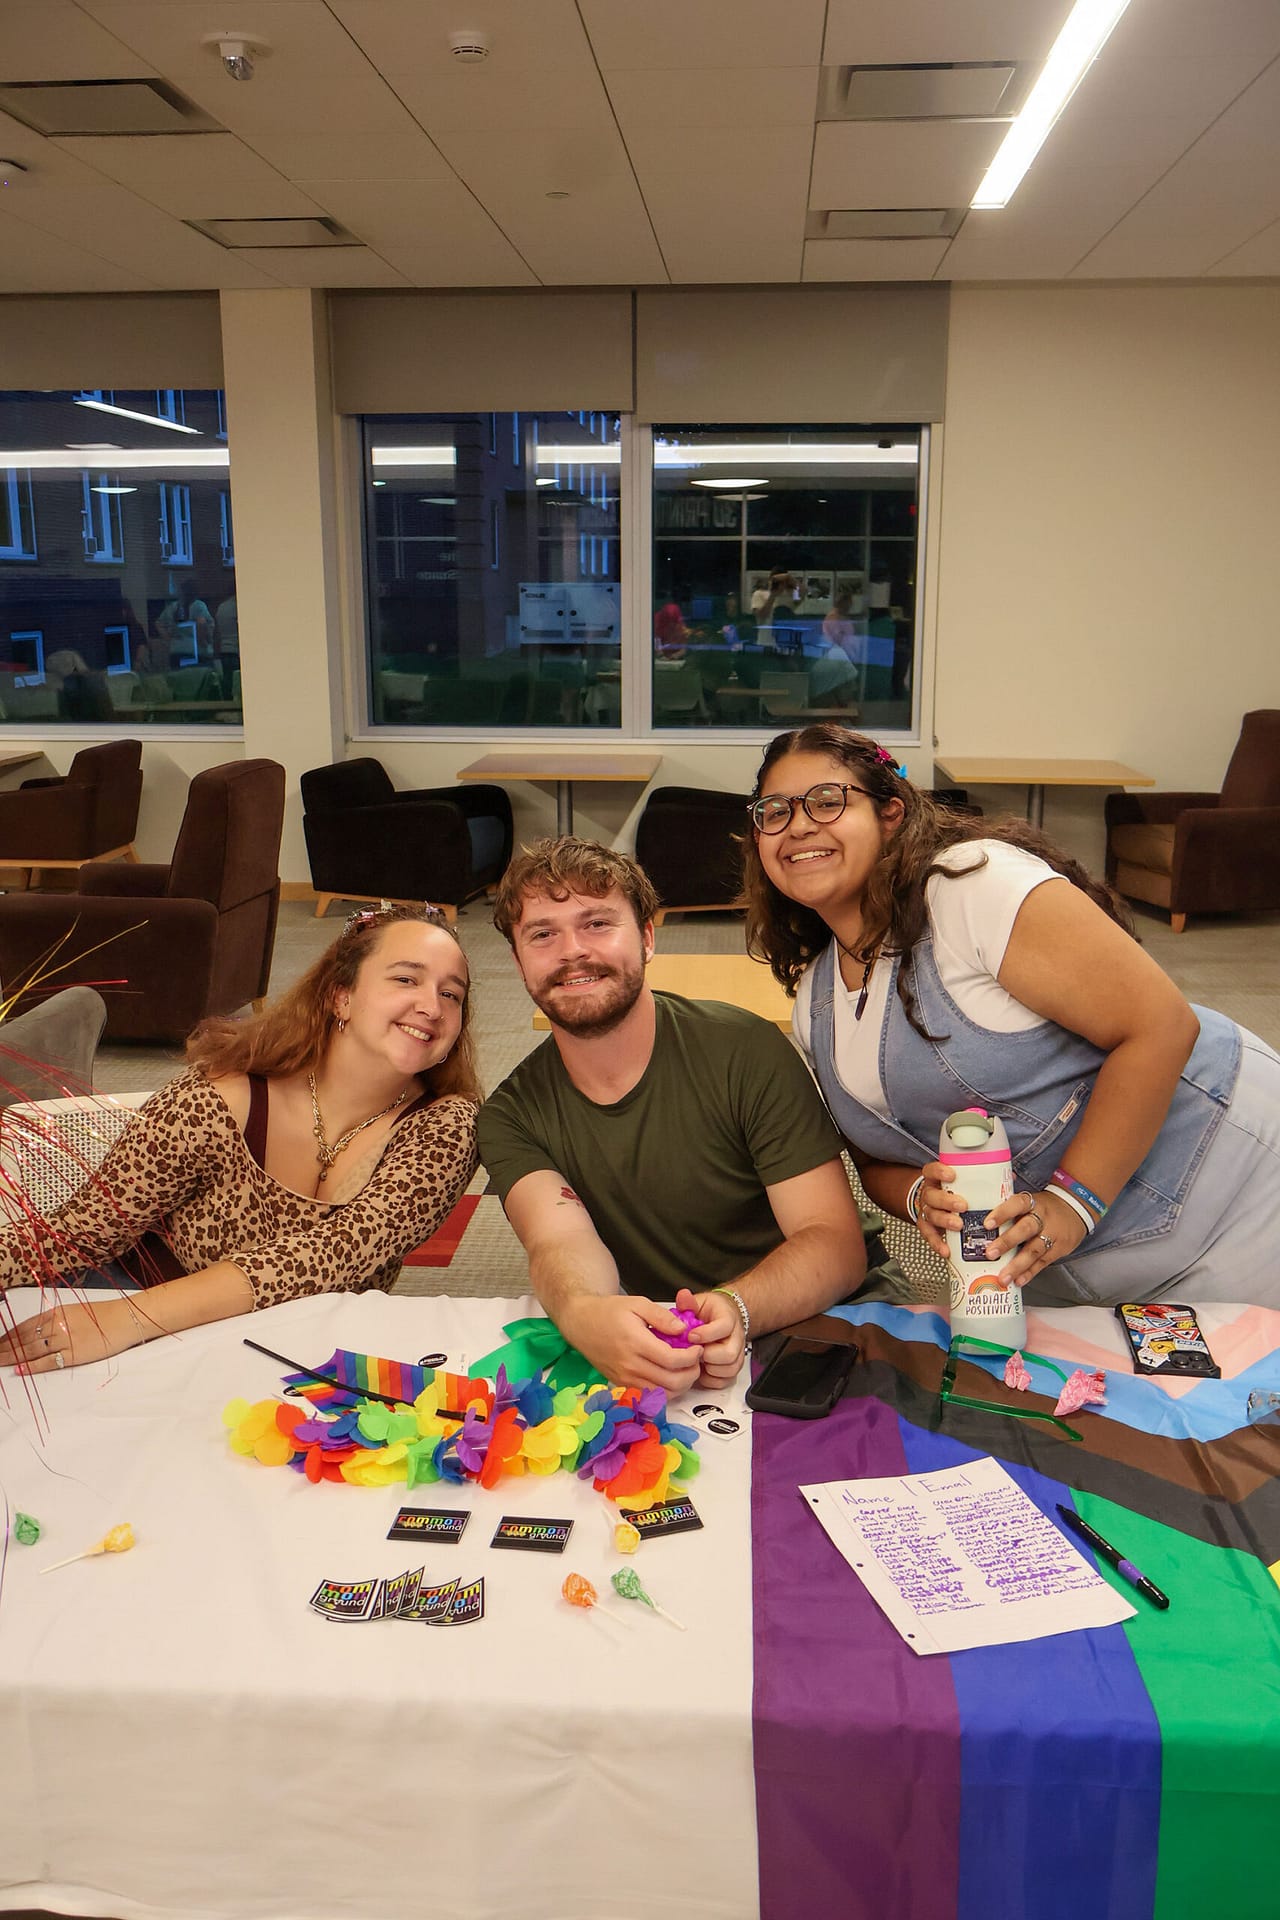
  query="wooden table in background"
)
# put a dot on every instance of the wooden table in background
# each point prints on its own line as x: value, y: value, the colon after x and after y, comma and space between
x: 564, y: 769
x: 732, y: 977
x: 977, y: 770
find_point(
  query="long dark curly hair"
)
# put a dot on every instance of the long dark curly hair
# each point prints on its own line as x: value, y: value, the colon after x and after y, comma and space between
x: 789, y: 936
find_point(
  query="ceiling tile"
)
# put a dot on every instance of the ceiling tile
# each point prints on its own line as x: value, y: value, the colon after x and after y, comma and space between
x: 539, y: 73
x: 405, y: 155
x: 36, y: 262
x: 732, y: 97
x: 725, y: 204
x: 1258, y: 256
x: 896, y: 163
x: 600, y: 233
x: 198, y: 176
x: 326, y: 267
x: 54, y: 40
x: 872, y: 259
x: 701, y: 33
x: 314, y: 76
x: 114, y: 223
x: 881, y: 33
x: 1222, y: 191
x: 433, y: 231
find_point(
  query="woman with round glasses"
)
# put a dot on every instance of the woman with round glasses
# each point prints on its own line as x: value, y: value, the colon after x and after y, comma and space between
x: 941, y: 962
x: 304, y: 1151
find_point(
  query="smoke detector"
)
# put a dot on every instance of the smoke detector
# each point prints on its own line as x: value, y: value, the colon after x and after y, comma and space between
x: 469, y: 48
x: 238, y: 52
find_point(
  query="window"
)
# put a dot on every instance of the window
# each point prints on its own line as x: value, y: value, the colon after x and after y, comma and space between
x: 784, y: 575
x: 17, y: 518
x: 117, y: 601
x: 175, y: 525
x: 492, y: 566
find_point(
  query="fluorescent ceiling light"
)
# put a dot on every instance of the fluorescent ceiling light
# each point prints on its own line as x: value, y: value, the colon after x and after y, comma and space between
x: 547, y: 481
x: 412, y: 456
x: 842, y: 453
x: 113, y: 489
x: 590, y: 454
x: 176, y: 458
x: 148, y: 419
x: 739, y: 484
x: 1086, y: 31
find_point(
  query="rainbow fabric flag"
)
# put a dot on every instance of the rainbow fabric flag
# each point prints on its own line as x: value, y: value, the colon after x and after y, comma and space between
x: 358, y: 1374
x: 1122, y: 1773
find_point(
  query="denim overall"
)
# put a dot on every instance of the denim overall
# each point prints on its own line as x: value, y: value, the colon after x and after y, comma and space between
x: 1038, y: 1081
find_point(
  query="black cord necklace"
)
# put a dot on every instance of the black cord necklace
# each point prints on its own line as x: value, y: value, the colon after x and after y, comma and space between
x: 860, y: 1005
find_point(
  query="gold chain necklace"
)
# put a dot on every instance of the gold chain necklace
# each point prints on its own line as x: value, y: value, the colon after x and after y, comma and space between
x: 328, y: 1154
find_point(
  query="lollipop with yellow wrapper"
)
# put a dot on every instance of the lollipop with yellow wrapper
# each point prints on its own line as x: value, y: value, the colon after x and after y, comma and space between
x: 116, y: 1540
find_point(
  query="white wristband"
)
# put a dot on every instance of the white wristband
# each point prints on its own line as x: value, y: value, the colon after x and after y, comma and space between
x: 913, y: 1200
x: 1076, y: 1206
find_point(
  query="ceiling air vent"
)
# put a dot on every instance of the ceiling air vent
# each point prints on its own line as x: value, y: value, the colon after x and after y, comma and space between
x: 102, y: 107
x: 960, y: 90
x: 303, y: 232
x: 884, y: 223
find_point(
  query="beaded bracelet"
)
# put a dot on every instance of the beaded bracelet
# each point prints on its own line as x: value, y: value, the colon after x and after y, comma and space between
x: 1061, y: 1178
x: 1076, y: 1206
x: 913, y: 1199
x: 743, y: 1312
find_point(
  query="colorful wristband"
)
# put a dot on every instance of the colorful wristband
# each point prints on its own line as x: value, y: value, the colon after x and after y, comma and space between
x: 913, y: 1200
x: 1060, y: 1192
x: 1061, y: 1178
x: 744, y: 1315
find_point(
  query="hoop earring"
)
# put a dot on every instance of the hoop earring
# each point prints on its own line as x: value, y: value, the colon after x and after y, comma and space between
x: 342, y: 1026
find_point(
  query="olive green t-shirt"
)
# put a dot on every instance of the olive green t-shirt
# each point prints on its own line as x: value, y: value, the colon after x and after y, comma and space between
x: 674, y: 1174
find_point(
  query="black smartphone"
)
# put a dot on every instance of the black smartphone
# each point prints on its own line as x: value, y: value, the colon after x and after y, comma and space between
x: 803, y: 1380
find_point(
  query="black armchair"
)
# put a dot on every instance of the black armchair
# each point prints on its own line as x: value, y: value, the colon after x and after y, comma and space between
x: 688, y: 840
x: 365, y: 841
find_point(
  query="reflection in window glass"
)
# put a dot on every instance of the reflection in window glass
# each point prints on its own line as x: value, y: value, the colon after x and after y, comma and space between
x: 784, y: 575
x: 117, y: 571
x: 492, y: 565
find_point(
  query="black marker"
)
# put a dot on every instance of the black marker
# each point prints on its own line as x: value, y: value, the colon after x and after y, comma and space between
x: 1112, y: 1556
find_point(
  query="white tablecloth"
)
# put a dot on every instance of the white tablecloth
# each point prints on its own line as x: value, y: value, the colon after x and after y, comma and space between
x: 180, y: 1735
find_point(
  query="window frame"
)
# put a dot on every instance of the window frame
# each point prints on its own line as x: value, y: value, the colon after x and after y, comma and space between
x: 15, y: 485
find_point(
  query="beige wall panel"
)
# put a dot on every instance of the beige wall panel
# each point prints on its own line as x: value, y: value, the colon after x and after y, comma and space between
x: 430, y: 352
x: 791, y: 354
x: 1110, y: 475
x: 140, y: 340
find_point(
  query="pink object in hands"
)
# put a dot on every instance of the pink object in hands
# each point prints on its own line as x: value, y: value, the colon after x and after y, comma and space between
x: 1015, y: 1373
x: 688, y: 1319
x: 1083, y: 1389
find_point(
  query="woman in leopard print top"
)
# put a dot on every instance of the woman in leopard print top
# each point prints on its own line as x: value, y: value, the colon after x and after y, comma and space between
x: 303, y: 1151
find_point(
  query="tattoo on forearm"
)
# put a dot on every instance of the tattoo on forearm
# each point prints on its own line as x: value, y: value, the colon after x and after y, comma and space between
x: 570, y: 1198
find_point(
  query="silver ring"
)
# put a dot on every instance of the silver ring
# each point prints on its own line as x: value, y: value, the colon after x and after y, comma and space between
x: 1035, y: 1213
x: 58, y: 1360
x: 1048, y: 1243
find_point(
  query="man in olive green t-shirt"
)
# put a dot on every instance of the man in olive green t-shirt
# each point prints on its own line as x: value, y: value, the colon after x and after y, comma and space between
x: 655, y: 1148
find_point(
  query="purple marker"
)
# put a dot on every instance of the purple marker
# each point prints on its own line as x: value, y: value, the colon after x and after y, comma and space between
x: 1114, y: 1558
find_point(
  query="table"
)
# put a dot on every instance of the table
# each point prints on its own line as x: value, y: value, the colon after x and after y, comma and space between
x: 732, y: 977
x: 171, y: 709
x: 180, y: 1737
x: 10, y: 761
x: 564, y: 769
x: 969, y: 770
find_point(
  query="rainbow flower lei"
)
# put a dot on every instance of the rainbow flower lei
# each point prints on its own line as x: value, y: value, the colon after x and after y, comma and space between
x: 461, y: 1429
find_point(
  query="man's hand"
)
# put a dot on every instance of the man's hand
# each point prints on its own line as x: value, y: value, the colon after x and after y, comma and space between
x: 613, y: 1331
x: 719, y: 1339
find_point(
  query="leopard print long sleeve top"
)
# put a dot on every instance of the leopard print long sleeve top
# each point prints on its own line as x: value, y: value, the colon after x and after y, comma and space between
x: 182, y: 1168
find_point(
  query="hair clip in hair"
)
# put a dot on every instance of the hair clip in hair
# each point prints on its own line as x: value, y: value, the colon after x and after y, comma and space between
x: 364, y: 915
x: 886, y: 759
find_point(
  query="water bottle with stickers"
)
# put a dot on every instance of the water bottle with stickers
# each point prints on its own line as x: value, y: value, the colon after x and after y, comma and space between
x: 974, y: 1143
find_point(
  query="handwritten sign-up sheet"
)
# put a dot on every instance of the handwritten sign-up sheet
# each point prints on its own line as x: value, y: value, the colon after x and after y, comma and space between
x: 961, y: 1558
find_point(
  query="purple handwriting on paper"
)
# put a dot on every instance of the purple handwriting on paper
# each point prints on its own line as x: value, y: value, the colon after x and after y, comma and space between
x: 908, y: 1543
x: 1014, y: 1547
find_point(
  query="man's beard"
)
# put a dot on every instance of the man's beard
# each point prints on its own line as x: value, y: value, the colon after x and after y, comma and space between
x: 599, y: 1011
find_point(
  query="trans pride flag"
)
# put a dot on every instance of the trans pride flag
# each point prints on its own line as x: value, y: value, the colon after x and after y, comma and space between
x: 1126, y: 1773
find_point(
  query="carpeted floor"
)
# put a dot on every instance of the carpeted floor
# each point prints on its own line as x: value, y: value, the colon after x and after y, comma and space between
x: 1232, y: 964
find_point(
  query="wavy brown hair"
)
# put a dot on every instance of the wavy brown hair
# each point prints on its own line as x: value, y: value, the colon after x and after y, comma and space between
x: 789, y: 936
x: 568, y: 865
x: 292, y: 1033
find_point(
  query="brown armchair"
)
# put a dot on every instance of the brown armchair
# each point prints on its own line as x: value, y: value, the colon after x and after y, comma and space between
x: 184, y: 940
x: 89, y: 814
x: 688, y: 840
x: 1205, y: 852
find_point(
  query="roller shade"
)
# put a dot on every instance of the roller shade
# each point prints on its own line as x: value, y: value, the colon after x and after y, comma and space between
x: 118, y: 340
x: 791, y: 354
x: 462, y: 352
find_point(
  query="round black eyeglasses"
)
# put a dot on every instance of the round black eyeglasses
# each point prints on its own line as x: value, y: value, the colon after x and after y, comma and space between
x: 824, y: 803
